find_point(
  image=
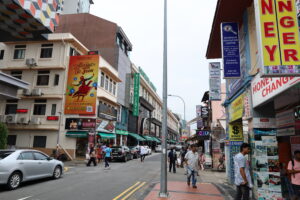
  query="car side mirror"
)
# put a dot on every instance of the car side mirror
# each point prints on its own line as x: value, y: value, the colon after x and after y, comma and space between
x: 49, y: 158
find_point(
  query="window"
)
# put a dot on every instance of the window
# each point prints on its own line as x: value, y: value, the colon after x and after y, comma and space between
x: 114, y: 88
x: 39, y: 141
x: 26, y: 156
x: 11, y: 140
x: 53, y: 109
x: 39, y: 107
x: 19, y: 51
x: 46, y: 51
x: 106, y: 82
x: 16, y: 74
x: 11, y: 107
x: 43, y: 78
x: 110, y: 86
x: 1, y: 54
x: 39, y: 156
x: 56, y: 79
x: 102, y: 80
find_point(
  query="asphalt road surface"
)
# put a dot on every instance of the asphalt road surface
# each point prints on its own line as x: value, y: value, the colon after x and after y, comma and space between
x: 123, y: 181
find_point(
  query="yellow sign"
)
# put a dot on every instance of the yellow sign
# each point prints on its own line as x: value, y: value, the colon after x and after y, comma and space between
x: 279, y: 32
x: 81, y: 94
x: 236, y: 108
x: 236, y: 132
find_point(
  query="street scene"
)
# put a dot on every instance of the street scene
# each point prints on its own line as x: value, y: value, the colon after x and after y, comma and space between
x: 149, y: 100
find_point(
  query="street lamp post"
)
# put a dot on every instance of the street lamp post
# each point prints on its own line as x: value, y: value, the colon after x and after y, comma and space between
x: 163, y: 176
x: 170, y: 95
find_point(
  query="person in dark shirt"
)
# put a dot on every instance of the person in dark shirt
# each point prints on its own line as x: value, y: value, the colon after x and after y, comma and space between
x: 172, y: 160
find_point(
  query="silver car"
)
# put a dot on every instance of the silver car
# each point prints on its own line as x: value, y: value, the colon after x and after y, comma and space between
x: 17, y: 166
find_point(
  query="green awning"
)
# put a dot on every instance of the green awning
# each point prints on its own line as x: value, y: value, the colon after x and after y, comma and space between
x: 107, y: 135
x: 156, y: 139
x: 77, y: 134
x: 121, y: 132
x: 149, y: 138
x: 137, y: 136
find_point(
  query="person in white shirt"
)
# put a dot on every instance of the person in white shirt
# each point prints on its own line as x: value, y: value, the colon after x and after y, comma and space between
x: 192, y: 164
x: 143, y: 152
x: 242, y: 180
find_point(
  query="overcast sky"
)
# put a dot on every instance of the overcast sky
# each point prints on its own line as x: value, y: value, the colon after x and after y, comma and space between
x: 189, y: 27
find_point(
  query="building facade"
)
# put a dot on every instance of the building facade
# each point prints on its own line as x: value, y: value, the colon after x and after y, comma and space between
x: 75, y: 6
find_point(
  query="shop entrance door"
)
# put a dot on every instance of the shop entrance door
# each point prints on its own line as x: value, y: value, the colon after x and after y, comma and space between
x: 81, y: 147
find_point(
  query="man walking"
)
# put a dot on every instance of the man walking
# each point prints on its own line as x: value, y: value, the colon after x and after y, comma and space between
x: 242, y: 174
x: 92, y: 155
x: 172, y: 160
x: 294, y: 171
x: 107, y: 156
x: 192, y: 164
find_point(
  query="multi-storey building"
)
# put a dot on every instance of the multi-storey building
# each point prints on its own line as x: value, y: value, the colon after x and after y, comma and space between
x: 39, y: 118
x: 75, y: 6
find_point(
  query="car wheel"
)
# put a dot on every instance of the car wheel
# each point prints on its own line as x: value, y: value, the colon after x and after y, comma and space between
x: 57, y: 172
x: 125, y: 158
x: 14, y: 180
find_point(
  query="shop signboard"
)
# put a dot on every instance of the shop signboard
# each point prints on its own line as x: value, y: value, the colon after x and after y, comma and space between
x: 215, y: 81
x: 204, y: 112
x: 107, y: 126
x: 200, y: 124
x: 248, y: 112
x: 264, y: 122
x: 231, y: 50
x: 80, y: 124
x: 236, y: 108
x: 198, y: 110
x: 82, y: 81
x: 136, y: 94
x: 285, y: 123
x: 107, y: 112
x: 264, y: 89
x: 278, y: 41
x: 203, y: 135
x: 236, y: 132
x: 295, y: 143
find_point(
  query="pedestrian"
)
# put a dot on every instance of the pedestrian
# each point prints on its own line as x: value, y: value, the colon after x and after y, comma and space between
x: 242, y: 173
x: 99, y: 153
x: 143, y: 152
x: 202, y: 161
x: 172, y: 160
x: 107, y: 156
x: 294, y: 171
x: 92, y: 155
x: 192, y: 163
x: 221, y: 165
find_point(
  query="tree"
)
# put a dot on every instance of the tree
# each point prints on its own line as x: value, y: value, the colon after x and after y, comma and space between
x: 3, y: 136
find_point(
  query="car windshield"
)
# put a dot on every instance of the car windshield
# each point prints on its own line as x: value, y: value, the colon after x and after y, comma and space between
x: 4, y: 154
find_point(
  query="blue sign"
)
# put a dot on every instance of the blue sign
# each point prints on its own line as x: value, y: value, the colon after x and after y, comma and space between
x: 231, y: 50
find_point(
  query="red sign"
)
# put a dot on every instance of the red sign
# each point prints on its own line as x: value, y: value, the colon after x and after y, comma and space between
x: 52, y: 118
x: 22, y: 110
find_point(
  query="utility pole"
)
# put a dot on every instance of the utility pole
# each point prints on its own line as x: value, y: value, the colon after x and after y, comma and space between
x: 163, y: 176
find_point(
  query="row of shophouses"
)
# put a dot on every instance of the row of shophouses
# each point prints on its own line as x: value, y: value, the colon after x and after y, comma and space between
x: 78, y: 87
x: 262, y: 111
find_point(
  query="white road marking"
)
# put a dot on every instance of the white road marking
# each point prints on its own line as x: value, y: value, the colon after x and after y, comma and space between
x: 25, y: 198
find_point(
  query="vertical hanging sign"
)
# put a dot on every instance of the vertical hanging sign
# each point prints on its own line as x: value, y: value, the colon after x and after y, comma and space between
x: 136, y: 94
x: 231, y: 50
x: 215, y: 81
x: 278, y: 37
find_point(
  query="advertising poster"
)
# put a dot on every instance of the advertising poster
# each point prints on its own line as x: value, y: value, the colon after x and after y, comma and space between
x: 231, y: 50
x: 80, y: 124
x: 106, y: 126
x: 236, y: 132
x: 285, y: 123
x: 279, y: 37
x: 136, y: 94
x: 236, y: 108
x: 82, y: 82
x: 215, y: 81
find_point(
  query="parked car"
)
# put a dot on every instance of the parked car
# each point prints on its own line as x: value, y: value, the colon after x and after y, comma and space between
x: 135, y: 151
x: 149, y: 150
x: 158, y: 148
x: 122, y: 153
x: 178, y: 147
x: 18, y: 166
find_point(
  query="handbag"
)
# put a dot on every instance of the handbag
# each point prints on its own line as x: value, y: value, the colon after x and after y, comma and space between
x: 87, y: 156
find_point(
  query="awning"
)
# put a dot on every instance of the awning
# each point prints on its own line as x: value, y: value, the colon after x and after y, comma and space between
x: 156, y: 139
x: 121, y: 132
x: 77, y: 134
x: 107, y: 135
x: 149, y: 138
x: 137, y: 136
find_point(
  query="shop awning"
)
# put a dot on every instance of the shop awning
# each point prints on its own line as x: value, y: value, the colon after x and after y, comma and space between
x: 137, y: 136
x: 149, y: 138
x: 77, y: 134
x: 156, y: 139
x: 107, y: 135
x: 121, y: 132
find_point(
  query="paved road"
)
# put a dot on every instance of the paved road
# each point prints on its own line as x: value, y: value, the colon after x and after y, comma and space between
x: 82, y: 183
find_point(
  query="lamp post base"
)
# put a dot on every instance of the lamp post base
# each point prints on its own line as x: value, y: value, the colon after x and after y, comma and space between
x: 163, y: 195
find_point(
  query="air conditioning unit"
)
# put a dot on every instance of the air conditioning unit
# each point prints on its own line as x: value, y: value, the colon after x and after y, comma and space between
x: 35, y: 120
x: 30, y: 62
x: 2, y: 118
x: 11, y: 119
x: 23, y: 120
x: 26, y: 92
x: 37, y: 92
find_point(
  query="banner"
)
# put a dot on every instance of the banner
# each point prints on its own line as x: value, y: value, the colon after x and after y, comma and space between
x: 80, y: 124
x: 236, y: 108
x: 198, y: 110
x: 81, y: 93
x: 236, y: 132
x: 231, y: 50
x: 215, y: 81
x: 106, y: 126
x: 136, y: 94
x: 279, y: 44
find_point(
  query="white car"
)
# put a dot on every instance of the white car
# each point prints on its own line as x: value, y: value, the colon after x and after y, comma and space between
x: 158, y: 148
x: 148, y: 150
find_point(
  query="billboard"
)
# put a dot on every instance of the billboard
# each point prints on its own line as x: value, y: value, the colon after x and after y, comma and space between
x: 136, y: 94
x: 80, y: 124
x: 231, y: 50
x: 215, y: 81
x: 82, y: 82
x: 106, y: 126
x: 278, y: 41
